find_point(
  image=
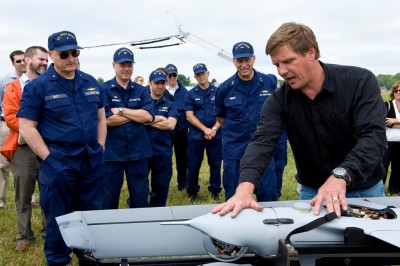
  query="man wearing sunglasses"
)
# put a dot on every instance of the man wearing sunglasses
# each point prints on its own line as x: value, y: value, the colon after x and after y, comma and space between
x: 128, y: 105
x: 18, y: 63
x: 24, y: 163
x: 17, y: 60
x: 62, y: 119
x: 180, y: 134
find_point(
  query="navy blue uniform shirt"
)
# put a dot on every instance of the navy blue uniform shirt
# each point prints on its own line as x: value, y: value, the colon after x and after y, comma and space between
x: 67, y: 113
x: 202, y: 103
x: 129, y: 141
x: 240, y: 107
x: 160, y: 140
x: 343, y: 126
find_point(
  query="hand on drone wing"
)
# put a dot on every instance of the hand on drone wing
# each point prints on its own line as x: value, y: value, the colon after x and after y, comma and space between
x: 242, y: 199
x: 333, y: 192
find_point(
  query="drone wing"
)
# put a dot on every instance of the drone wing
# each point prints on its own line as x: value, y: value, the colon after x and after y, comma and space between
x: 389, y: 236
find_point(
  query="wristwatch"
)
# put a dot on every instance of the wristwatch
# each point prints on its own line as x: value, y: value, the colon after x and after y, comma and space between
x: 340, y: 172
x: 120, y: 110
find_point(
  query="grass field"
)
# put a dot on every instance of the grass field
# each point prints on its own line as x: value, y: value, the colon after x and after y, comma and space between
x: 34, y: 256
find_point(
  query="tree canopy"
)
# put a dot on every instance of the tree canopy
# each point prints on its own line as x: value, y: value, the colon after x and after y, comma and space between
x: 184, y: 80
x: 100, y: 80
x: 387, y: 81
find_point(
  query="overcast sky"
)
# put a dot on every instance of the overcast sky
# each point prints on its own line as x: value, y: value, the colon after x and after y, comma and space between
x: 364, y: 33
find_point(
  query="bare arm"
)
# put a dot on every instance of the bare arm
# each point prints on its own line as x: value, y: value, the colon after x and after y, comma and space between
x: 33, y: 138
x: 220, y: 121
x: 208, y: 132
x: 101, y: 127
x: 116, y: 120
x: 137, y: 115
x: 217, y: 126
x: 194, y: 121
x: 392, y: 122
x: 163, y: 123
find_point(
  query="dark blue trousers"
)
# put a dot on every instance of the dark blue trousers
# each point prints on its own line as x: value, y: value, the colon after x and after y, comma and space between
x: 161, y: 172
x: 267, y: 189
x: 195, y: 154
x: 136, y: 173
x: 63, y: 190
x: 179, y: 143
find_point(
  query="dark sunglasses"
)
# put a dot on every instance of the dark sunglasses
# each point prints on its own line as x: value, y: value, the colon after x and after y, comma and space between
x: 172, y: 75
x: 396, y: 91
x: 65, y: 54
x: 19, y: 61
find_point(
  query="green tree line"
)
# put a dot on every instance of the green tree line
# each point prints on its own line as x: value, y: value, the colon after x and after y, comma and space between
x: 384, y: 80
x: 387, y: 81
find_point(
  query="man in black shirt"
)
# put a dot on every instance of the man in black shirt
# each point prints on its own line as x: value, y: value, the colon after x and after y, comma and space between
x: 335, y: 121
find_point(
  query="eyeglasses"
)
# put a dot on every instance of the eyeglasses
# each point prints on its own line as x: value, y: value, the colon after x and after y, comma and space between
x: 65, y: 54
x: 19, y: 61
x: 396, y: 91
x: 172, y: 75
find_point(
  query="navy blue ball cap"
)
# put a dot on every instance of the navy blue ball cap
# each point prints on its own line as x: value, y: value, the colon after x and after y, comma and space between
x: 242, y: 50
x: 123, y: 55
x: 157, y: 75
x: 63, y: 41
x: 199, y: 68
x: 171, y: 69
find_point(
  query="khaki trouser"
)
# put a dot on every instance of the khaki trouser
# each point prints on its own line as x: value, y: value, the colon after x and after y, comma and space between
x: 4, y: 166
x: 25, y: 168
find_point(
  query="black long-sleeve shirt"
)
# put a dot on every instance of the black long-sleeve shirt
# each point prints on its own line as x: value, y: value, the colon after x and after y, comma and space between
x: 344, y: 125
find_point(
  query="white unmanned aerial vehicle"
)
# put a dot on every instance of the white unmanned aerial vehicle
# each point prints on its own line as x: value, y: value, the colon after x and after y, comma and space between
x: 284, y: 233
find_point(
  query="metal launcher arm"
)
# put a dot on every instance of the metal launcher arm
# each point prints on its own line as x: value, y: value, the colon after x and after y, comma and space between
x: 206, y: 45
